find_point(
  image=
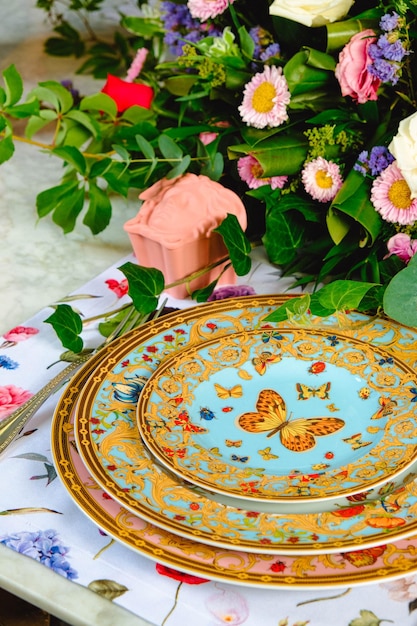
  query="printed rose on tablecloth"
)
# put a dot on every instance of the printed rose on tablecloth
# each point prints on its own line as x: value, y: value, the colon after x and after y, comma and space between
x: 18, y: 334
x: 314, y: 13
x: 11, y: 397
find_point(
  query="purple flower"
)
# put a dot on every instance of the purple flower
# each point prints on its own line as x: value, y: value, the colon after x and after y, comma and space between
x: 374, y: 162
x: 7, y: 363
x: 43, y: 546
x: 273, y: 50
x: 231, y: 291
x: 389, y: 21
x: 384, y: 70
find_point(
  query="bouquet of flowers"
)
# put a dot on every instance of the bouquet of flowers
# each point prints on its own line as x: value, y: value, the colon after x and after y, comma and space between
x: 306, y: 111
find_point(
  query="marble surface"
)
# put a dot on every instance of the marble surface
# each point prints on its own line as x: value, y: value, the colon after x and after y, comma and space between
x: 38, y: 263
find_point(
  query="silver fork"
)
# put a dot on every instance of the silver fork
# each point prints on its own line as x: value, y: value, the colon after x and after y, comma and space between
x: 12, y: 425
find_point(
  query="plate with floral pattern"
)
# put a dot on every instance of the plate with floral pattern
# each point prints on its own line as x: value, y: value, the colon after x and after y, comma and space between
x: 335, y: 410
x: 345, y: 568
x: 109, y: 443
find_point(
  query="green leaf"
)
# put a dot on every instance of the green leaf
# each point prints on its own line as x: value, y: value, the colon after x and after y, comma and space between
x: 47, y: 200
x: 6, y: 149
x: 85, y: 120
x: 99, y: 210
x: 145, y: 286
x: 278, y: 156
x: 68, y: 325
x: 284, y: 234
x: 99, y: 102
x: 180, y: 168
x: 54, y: 93
x: 72, y: 156
x: 36, y: 123
x: 400, y: 297
x: 21, y: 111
x: 67, y: 210
x: 294, y: 308
x: 144, y: 27
x: 342, y: 295
x: 237, y: 244
x: 13, y: 85
x: 146, y: 147
x: 353, y: 202
x: 367, y: 618
x: 169, y: 149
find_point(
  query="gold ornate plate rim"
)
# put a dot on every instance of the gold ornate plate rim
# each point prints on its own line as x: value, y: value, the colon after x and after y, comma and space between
x: 370, y: 523
x: 167, y: 416
x: 232, y: 566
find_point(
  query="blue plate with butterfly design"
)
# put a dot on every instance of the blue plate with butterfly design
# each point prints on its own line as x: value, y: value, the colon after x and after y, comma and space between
x: 310, y: 417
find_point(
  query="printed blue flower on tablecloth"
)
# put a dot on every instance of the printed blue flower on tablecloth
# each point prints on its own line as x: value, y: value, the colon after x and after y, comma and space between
x: 43, y: 546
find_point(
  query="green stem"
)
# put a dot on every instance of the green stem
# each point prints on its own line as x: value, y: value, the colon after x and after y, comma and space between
x: 174, y: 605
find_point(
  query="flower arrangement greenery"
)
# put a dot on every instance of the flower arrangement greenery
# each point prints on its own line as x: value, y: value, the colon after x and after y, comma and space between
x: 307, y: 111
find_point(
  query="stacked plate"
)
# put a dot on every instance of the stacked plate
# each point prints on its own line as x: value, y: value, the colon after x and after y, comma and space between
x: 271, y: 455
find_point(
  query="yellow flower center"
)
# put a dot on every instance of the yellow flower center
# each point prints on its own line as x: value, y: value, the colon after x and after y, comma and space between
x: 257, y: 171
x: 399, y: 194
x: 262, y: 100
x: 323, y: 180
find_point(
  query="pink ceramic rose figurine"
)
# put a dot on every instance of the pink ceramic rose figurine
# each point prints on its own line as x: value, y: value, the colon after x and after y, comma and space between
x: 173, y: 230
x: 351, y: 71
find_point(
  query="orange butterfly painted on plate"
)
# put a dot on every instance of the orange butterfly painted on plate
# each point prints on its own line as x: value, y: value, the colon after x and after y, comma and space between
x: 387, y: 406
x: 183, y: 420
x: 262, y: 361
x: 232, y: 392
x: 297, y: 435
x: 233, y: 444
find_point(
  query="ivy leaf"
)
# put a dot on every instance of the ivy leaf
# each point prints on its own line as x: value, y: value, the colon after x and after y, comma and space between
x: 400, y: 297
x: 237, y: 244
x: 99, y: 210
x: 145, y: 286
x: 6, y: 149
x: 68, y: 325
x: 13, y: 85
x: 283, y: 236
x: 297, y: 307
x: 341, y: 295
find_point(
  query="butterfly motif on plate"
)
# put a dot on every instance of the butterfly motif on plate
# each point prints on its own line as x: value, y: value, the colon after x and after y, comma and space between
x: 297, y: 435
x: 356, y: 441
x: 240, y: 459
x: 305, y: 392
x: 233, y: 444
x: 267, y: 455
x: 387, y: 405
x: 224, y: 393
x: 264, y: 359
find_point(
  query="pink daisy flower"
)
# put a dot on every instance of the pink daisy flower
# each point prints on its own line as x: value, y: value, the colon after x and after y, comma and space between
x: 321, y: 179
x: 206, y: 9
x: 391, y: 197
x: 265, y: 99
x: 250, y: 171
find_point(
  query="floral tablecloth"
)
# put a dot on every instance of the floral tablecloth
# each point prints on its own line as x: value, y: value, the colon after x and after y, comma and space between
x: 39, y: 519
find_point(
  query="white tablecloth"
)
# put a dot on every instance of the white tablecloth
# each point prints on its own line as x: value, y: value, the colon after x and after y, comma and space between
x: 35, y: 503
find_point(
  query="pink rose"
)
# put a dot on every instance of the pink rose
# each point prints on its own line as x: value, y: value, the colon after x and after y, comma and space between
x: 351, y: 71
x: 11, y: 398
x: 20, y: 333
x: 403, y: 246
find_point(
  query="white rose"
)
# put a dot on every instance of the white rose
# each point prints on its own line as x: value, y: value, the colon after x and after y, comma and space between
x: 404, y: 148
x: 312, y: 13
